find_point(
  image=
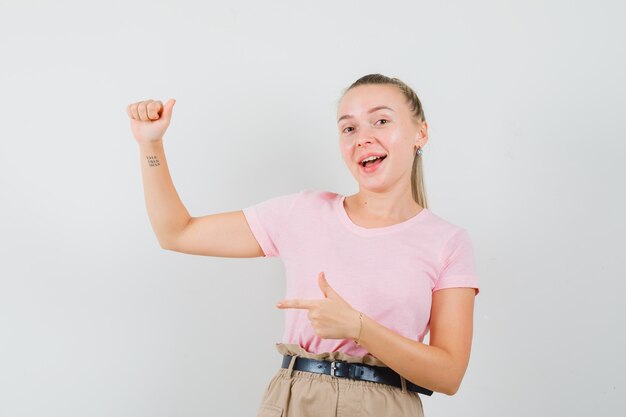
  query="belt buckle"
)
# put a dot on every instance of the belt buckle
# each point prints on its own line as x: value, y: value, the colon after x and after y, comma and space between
x: 332, y: 368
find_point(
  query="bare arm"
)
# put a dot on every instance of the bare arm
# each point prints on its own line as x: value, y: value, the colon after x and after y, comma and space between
x: 222, y: 234
x: 440, y: 365
x: 167, y: 213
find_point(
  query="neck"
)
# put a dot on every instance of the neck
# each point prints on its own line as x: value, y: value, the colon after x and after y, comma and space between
x: 389, y: 204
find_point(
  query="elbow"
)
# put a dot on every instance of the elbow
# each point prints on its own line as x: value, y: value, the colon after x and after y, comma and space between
x: 166, y: 245
x: 453, y: 386
x: 450, y: 383
x: 454, y: 377
x: 451, y: 390
x: 448, y: 387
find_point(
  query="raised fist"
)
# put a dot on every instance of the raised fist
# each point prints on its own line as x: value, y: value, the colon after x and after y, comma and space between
x: 149, y: 119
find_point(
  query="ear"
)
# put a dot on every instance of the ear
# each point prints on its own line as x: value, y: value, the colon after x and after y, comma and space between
x: 421, y: 136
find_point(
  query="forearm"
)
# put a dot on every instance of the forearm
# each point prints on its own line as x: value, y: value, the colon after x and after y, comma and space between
x: 424, y: 365
x: 167, y: 213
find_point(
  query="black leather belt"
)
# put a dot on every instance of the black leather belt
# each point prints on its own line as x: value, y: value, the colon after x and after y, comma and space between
x: 343, y: 369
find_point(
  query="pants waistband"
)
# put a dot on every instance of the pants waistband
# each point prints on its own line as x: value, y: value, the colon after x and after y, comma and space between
x: 343, y: 369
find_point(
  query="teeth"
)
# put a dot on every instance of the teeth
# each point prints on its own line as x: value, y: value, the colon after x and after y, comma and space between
x: 371, y: 158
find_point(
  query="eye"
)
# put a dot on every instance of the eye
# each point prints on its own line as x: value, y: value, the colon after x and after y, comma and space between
x: 380, y: 120
x: 344, y: 130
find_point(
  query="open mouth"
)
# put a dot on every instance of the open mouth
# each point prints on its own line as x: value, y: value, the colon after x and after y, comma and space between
x: 373, y: 162
x: 371, y: 165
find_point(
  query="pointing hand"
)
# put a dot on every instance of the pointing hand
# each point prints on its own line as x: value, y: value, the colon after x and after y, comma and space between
x: 332, y: 317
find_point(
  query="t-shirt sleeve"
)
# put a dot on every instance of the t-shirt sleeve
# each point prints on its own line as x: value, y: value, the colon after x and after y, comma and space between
x: 458, y: 268
x: 269, y: 219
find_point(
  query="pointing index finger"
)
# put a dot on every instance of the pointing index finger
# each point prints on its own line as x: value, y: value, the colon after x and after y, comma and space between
x: 296, y: 303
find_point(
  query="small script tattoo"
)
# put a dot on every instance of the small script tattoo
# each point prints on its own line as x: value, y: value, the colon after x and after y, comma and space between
x: 153, y: 161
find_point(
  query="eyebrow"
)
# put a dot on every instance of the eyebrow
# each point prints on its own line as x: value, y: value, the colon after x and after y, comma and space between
x: 372, y: 110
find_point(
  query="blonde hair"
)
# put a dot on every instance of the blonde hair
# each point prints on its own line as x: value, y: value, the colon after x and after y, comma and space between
x: 415, y: 105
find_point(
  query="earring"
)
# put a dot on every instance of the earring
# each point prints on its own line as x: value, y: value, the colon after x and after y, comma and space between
x: 419, y: 151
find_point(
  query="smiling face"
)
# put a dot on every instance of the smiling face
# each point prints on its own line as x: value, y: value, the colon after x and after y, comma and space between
x: 376, y: 119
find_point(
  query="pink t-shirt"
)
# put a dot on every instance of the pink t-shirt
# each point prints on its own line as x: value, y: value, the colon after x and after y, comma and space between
x: 389, y: 273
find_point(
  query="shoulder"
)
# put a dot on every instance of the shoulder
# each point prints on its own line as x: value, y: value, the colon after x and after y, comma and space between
x: 448, y: 234
x: 444, y: 227
x: 317, y: 198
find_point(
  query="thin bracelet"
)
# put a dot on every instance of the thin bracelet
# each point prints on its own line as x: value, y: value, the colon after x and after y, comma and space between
x: 360, y: 328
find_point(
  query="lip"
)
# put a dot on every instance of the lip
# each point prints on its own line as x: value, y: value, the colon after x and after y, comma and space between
x: 367, y: 155
x: 371, y: 168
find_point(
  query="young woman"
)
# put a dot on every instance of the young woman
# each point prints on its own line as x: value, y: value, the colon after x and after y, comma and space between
x: 368, y: 275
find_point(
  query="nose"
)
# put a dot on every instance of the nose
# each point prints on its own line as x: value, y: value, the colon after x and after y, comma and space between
x: 364, y: 138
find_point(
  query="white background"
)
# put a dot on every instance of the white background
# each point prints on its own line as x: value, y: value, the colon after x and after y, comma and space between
x: 525, y: 104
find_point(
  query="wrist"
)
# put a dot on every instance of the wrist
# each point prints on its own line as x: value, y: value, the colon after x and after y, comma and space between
x: 151, y: 145
x: 358, y: 329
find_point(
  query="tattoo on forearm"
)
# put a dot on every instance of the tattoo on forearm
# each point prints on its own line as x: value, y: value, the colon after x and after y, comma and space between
x: 153, y: 161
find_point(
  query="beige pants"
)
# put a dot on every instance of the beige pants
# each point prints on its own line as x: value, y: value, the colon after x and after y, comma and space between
x: 293, y: 393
